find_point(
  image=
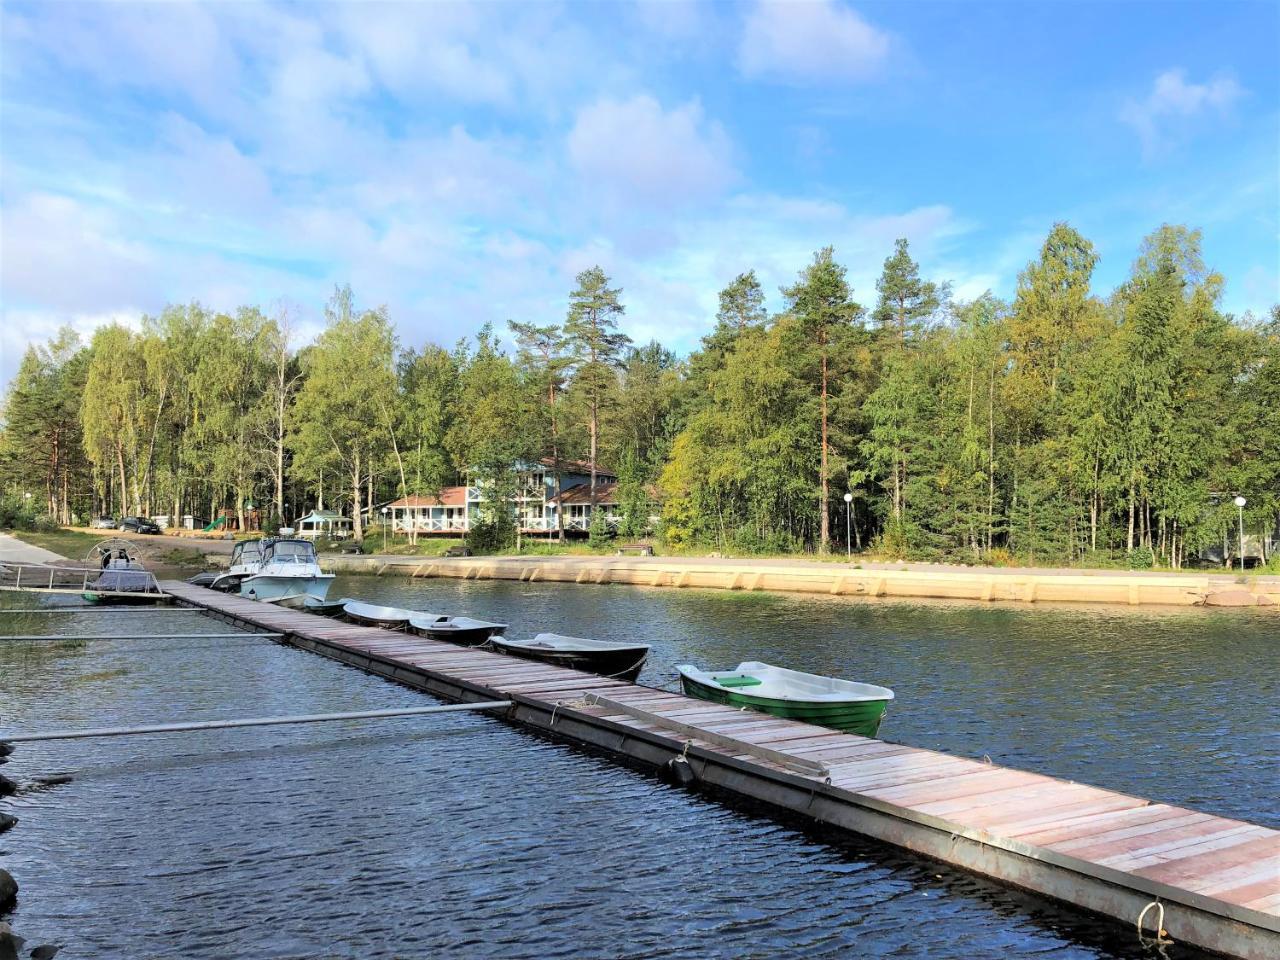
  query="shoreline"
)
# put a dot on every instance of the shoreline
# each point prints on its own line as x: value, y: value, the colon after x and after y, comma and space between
x: 870, y: 579
x: 989, y: 584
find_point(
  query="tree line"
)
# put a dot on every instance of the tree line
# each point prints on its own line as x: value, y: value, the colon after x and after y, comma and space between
x: 1057, y: 427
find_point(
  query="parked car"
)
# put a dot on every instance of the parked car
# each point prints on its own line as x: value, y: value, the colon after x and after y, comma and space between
x: 139, y: 525
x: 104, y: 523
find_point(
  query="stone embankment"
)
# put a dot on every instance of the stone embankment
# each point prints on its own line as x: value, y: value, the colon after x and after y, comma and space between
x: 841, y: 579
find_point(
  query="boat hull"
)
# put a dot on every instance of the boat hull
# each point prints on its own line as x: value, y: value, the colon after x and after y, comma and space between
x: 386, y: 623
x: 285, y: 591
x: 324, y: 608
x: 114, y: 600
x: 617, y: 664
x: 861, y: 717
x: 463, y: 637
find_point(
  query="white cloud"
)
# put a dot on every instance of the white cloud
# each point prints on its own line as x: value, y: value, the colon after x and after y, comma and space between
x: 635, y: 152
x: 814, y: 41
x: 69, y: 257
x: 1174, y: 104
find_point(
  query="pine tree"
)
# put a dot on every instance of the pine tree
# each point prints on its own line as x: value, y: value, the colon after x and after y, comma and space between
x: 591, y: 334
x: 820, y: 300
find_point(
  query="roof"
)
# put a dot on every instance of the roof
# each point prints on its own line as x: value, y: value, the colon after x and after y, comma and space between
x: 322, y: 515
x: 576, y: 466
x: 449, y: 497
x: 581, y: 493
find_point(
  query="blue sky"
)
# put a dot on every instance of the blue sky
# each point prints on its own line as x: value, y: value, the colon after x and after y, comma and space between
x: 460, y: 163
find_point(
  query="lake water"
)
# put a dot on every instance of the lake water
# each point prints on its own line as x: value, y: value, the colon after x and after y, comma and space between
x: 459, y: 836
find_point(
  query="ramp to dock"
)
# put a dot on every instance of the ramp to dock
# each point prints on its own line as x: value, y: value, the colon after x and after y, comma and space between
x: 1215, y: 882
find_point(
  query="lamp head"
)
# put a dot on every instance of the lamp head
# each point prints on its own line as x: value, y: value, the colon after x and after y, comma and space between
x: 1241, y: 501
x: 848, y: 498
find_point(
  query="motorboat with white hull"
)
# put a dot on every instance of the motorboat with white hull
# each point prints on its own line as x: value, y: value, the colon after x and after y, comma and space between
x: 246, y: 558
x: 289, y: 574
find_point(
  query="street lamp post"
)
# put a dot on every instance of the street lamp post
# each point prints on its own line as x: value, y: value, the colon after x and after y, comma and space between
x: 1240, y: 502
x: 384, y: 529
x: 848, y: 525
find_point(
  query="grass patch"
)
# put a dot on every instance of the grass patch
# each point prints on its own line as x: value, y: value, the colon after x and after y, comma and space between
x: 401, y: 547
x: 71, y: 544
x: 183, y: 557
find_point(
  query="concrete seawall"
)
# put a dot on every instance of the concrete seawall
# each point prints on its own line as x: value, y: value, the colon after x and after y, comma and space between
x: 836, y: 579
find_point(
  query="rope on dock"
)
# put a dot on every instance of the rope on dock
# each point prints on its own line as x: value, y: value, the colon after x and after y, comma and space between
x: 141, y: 636
x: 252, y: 722
x: 1161, y: 932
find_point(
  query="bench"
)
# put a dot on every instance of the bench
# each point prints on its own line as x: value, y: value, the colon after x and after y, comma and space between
x: 458, y: 551
x: 639, y: 549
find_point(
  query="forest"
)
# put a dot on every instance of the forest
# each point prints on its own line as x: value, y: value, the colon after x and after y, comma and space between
x: 1063, y: 427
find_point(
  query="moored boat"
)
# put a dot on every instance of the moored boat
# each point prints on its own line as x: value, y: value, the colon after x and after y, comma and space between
x: 826, y: 701
x: 288, y: 574
x: 621, y: 661
x: 393, y: 618
x: 246, y: 558
x: 326, y: 608
x: 121, y: 577
x: 460, y: 630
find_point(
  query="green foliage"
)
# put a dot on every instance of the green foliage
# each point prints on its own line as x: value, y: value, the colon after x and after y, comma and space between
x: 1141, y: 558
x: 598, y: 533
x: 17, y: 512
x: 1064, y: 427
x: 491, y: 533
x: 905, y: 300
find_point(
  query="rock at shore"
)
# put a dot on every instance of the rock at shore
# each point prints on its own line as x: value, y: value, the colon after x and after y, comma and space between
x: 8, y: 890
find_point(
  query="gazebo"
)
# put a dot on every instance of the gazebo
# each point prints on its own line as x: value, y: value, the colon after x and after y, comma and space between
x: 324, y: 523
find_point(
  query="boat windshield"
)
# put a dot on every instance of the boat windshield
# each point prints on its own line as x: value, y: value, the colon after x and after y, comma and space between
x: 247, y: 551
x: 292, y: 551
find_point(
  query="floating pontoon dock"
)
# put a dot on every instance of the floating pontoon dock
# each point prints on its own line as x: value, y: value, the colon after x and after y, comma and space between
x: 1207, y: 880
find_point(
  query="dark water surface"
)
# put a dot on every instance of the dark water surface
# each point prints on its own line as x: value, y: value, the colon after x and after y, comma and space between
x: 458, y: 836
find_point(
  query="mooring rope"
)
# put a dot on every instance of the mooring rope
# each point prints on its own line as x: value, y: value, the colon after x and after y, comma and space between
x: 1161, y: 933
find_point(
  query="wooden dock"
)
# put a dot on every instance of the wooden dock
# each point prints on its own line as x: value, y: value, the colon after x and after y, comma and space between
x: 1216, y: 881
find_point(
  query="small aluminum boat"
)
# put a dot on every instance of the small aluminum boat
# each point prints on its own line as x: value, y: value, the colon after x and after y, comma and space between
x: 326, y: 608
x: 461, y: 630
x: 393, y: 618
x: 621, y: 661
x: 825, y: 701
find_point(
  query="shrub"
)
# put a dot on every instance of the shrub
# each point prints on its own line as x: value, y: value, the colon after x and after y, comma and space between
x: 598, y: 534
x: 490, y: 534
x: 17, y: 513
x: 998, y: 557
x: 1141, y: 558
x: 748, y: 540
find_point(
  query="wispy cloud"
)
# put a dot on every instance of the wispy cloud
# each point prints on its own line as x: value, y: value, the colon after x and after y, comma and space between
x: 1174, y: 105
x: 814, y: 41
x: 634, y: 150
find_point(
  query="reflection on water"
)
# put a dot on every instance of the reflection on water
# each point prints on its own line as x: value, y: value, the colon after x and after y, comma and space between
x: 456, y: 835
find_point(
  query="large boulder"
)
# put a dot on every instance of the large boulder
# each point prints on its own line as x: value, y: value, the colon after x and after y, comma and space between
x: 8, y: 890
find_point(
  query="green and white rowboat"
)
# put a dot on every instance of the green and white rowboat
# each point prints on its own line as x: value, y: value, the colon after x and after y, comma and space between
x: 825, y: 701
